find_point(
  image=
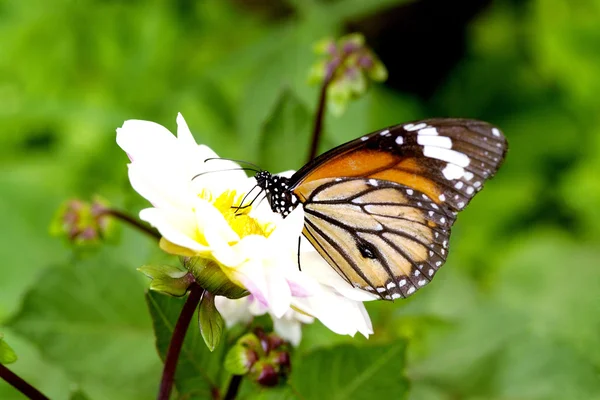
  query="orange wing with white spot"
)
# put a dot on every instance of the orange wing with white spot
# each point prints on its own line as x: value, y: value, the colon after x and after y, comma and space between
x: 379, y: 209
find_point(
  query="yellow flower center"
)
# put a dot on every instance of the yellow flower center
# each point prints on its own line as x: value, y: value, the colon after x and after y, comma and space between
x: 228, y: 204
x: 238, y: 218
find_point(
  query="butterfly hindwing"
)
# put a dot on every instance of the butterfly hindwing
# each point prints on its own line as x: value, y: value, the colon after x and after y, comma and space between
x: 380, y: 236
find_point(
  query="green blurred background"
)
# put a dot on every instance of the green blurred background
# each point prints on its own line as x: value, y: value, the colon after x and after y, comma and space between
x: 514, y: 314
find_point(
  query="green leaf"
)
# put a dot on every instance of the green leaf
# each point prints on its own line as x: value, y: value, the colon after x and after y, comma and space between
x: 90, y: 319
x: 78, y: 395
x: 167, y: 279
x: 285, y: 136
x: 348, y: 372
x: 7, y: 354
x: 211, y: 322
x: 197, y: 375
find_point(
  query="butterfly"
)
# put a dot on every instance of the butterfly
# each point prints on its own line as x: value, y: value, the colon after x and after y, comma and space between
x: 380, y: 208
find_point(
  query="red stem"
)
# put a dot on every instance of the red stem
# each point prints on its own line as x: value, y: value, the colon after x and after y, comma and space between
x: 234, y: 386
x: 131, y: 221
x: 318, y: 125
x: 18, y: 383
x: 181, y: 327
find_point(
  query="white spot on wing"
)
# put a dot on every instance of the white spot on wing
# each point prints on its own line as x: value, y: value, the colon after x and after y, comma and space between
x: 429, y: 131
x: 385, y: 132
x: 468, y: 175
x: 391, y: 285
x: 442, y: 197
x: 435, y: 141
x: 409, y: 192
x: 452, y: 172
x: 447, y: 155
x: 496, y: 132
x: 459, y: 185
x: 373, y: 182
x: 412, y: 127
x: 399, y: 140
x: 364, y: 138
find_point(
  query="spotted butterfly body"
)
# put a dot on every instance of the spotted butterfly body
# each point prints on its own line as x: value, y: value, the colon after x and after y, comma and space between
x: 379, y: 208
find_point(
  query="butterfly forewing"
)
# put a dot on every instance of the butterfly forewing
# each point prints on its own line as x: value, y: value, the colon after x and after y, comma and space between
x: 447, y: 159
x: 379, y: 209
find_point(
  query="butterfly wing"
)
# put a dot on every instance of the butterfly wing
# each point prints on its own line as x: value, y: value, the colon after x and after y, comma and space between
x: 379, y: 209
x: 380, y: 236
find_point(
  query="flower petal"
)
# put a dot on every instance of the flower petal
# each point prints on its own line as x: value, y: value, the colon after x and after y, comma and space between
x: 176, y: 226
x: 341, y: 315
x: 161, y: 187
x: 233, y: 311
x: 184, y: 135
x: 143, y: 140
x: 288, y: 328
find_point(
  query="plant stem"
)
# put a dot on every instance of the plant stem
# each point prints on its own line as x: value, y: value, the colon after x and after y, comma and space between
x: 181, y: 327
x: 18, y: 383
x: 332, y: 69
x: 318, y: 123
x: 131, y: 221
x: 234, y: 386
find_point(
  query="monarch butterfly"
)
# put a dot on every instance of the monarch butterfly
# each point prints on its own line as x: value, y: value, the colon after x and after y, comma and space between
x: 379, y: 208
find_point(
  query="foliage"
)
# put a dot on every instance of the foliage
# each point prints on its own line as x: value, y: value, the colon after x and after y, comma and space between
x: 513, y: 314
x: 7, y: 354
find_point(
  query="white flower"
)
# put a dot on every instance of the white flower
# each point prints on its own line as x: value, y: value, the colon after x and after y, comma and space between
x: 196, y: 199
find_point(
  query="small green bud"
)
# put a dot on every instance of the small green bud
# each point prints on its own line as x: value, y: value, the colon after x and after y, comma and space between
x: 240, y: 359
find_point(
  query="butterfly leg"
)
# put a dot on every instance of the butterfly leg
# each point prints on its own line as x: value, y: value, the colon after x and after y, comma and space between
x: 299, y: 267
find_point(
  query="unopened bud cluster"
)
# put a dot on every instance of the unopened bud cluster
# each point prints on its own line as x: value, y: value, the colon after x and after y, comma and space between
x: 347, y: 65
x: 262, y: 357
x: 82, y: 223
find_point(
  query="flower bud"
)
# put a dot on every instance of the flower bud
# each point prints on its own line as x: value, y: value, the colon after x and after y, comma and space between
x: 265, y: 358
x: 347, y: 66
x: 267, y: 376
x: 83, y: 223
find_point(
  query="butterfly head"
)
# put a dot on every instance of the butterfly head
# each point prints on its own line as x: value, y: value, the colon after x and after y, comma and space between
x: 281, y: 199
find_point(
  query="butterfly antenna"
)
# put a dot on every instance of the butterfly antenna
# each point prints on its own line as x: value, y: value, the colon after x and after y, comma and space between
x: 226, y: 170
x: 237, y: 161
